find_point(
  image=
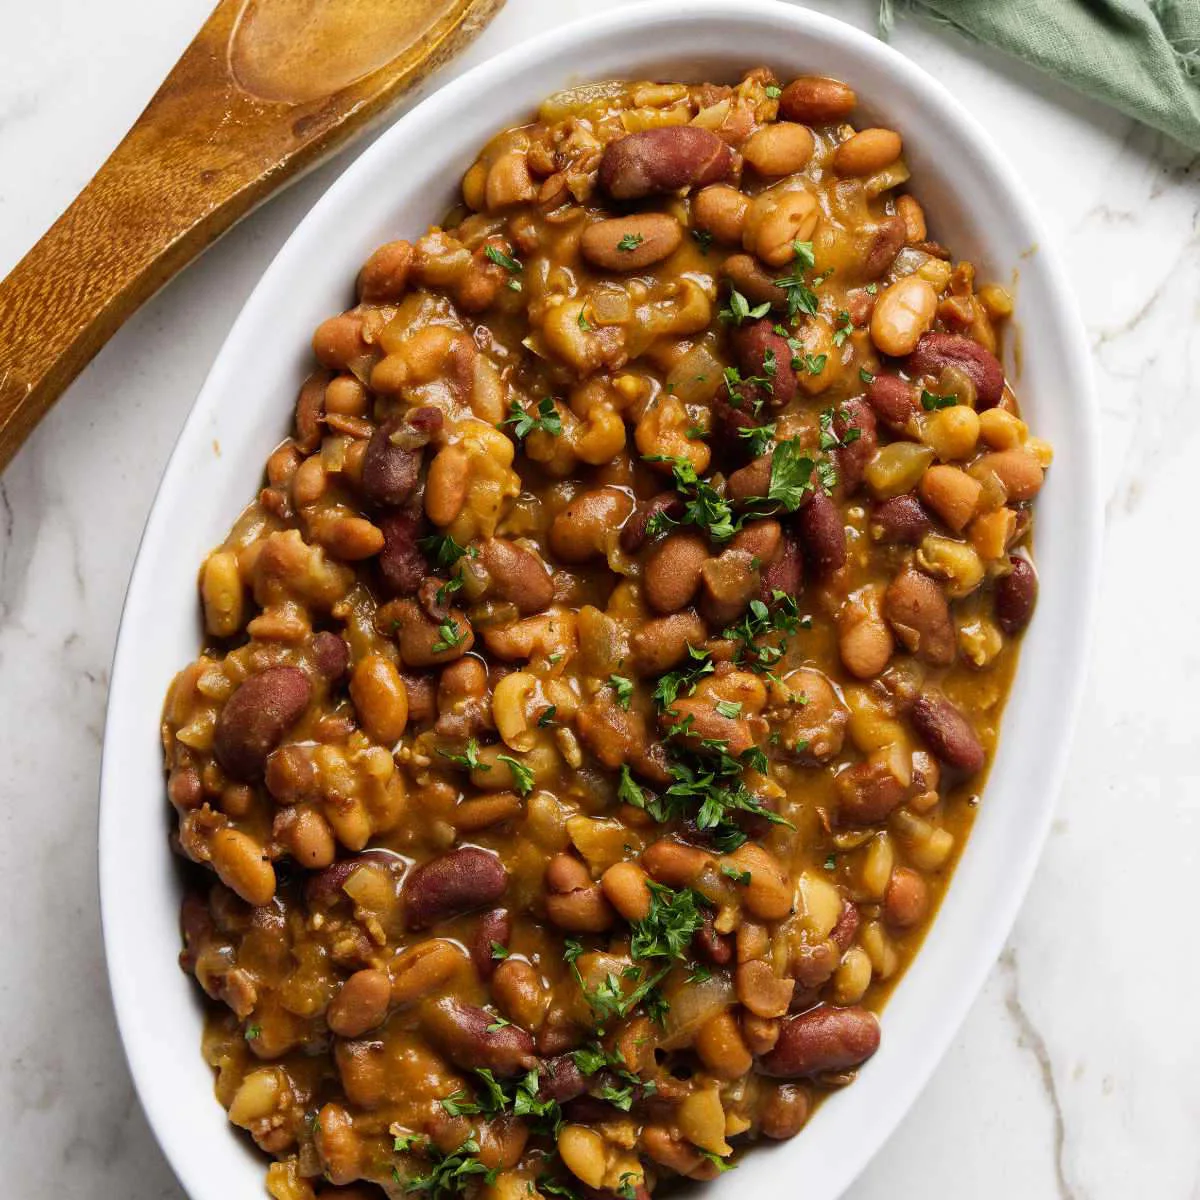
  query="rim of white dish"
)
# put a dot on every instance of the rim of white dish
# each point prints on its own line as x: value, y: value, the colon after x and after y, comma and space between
x: 154, y: 1087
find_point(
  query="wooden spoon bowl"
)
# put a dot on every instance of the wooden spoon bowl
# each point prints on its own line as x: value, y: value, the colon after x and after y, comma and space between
x: 265, y: 91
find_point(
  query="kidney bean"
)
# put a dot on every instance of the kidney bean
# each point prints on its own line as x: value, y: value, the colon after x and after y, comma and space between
x: 325, y: 887
x: 734, y: 411
x: 894, y: 400
x: 853, y: 455
x: 867, y: 793
x: 936, y: 351
x: 822, y: 535
x: 630, y: 243
x: 763, y: 354
x: 390, y: 468
x: 886, y: 242
x: 453, y: 883
x: 517, y: 575
x: 1015, y: 595
x: 331, y: 655
x: 713, y: 947
x: 917, y: 610
x: 361, y: 1003
x: 823, y: 1039
x: 468, y: 1036
x: 257, y: 716
x: 785, y: 572
x: 745, y: 273
x: 401, y: 562
x: 492, y: 927
x: 842, y: 934
x: 901, y: 519
x: 665, y: 159
x: 947, y: 732
x: 634, y: 533
x: 816, y: 100
x: 561, y: 1080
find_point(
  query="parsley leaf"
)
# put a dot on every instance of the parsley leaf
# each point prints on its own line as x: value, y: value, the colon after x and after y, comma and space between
x: 759, y: 437
x: 469, y: 761
x: 699, y: 664
x: 773, y: 92
x: 503, y: 260
x: 253, y: 1033
x: 450, y: 1172
x: 800, y: 297
x: 522, y: 775
x: 449, y: 637
x: 742, y: 877
x: 624, y: 689
x: 444, y: 550
x: 791, y: 475
x: 704, y: 506
x: 667, y: 930
x: 738, y: 309
x: 499, y: 951
x: 844, y: 328
x: 546, y: 718
x: 931, y: 401
x: 631, y: 241
x: 548, y: 419
x: 703, y: 238
x: 865, y: 375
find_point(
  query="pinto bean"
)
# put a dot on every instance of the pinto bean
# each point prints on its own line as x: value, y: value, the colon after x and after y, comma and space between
x: 423, y: 642
x: 823, y: 1039
x: 401, y: 563
x: 338, y: 341
x: 470, y: 1037
x: 936, y: 351
x: 779, y: 148
x: 784, y: 1111
x: 673, y: 571
x: 242, y: 865
x: 721, y: 210
x: 894, y: 401
x: 886, y: 241
x: 664, y: 159
x: 901, y: 519
x: 1018, y: 471
x: 751, y: 481
x: 708, y: 725
x: 453, y: 883
x: 867, y: 151
x: 1015, y: 595
x: 582, y: 530
x: 380, y: 698
x: 631, y: 243
x: 257, y: 716
x: 822, y: 535
x: 361, y: 1003
x: 857, y: 449
x: 906, y: 900
x: 919, y: 614
x: 384, y: 276
x: 947, y: 733
x: 867, y: 793
x: 817, y: 100
x: 754, y: 282
x: 517, y: 575
x: 660, y: 644
x: 763, y: 354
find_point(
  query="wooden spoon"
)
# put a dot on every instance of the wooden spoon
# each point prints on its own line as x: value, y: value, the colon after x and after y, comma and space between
x: 265, y: 91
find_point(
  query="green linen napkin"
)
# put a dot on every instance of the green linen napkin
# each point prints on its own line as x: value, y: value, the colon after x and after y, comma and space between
x: 1141, y: 56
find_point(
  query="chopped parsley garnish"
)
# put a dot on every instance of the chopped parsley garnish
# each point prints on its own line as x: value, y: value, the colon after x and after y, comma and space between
x: 583, y: 322
x: 546, y: 718
x: 253, y: 1033
x: 608, y: 998
x: 722, y: 1164
x: 448, y: 637
x: 773, y: 92
x: 931, y: 401
x: 668, y: 928
x: 829, y: 439
x: 865, y: 375
x: 741, y: 877
x: 498, y: 1024
x: 704, y: 239
x: 448, y: 589
x: 759, y: 437
x: 738, y: 309
x: 444, y: 550
x: 503, y: 260
x: 814, y: 364
x: 699, y: 663
x: 499, y: 951
x: 843, y: 329
x: 729, y: 708
x: 831, y: 862
x: 704, y: 506
x: 757, y: 624
x: 791, y: 475
x: 450, y: 1173
x: 631, y: 241
x: 552, y: 1187
x: 521, y: 774
x: 548, y: 419
x: 469, y: 761
x: 624, y: 689
x: 800, y: 296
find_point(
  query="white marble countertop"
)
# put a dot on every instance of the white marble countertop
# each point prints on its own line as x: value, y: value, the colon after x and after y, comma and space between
x: 1077, y: 1075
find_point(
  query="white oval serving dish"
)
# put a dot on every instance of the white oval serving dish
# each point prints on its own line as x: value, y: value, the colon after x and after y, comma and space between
x: 401, y: 183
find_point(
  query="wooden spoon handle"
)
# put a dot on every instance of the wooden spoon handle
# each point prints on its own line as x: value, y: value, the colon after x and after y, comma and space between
x: 204, y: 152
